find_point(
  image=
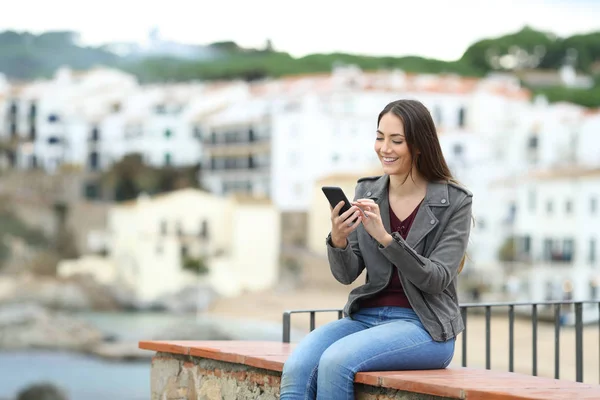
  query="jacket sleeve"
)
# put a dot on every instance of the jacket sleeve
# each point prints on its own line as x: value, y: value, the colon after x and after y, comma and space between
x: 434, y: 274
x: 346, y: 264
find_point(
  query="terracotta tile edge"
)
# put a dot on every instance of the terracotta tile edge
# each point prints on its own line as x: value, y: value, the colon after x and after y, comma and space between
x: 164, y: 347
x: 258, y: 362
x: 411, y: 386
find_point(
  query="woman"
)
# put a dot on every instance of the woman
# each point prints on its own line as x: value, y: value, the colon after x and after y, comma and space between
x: 409, y: 228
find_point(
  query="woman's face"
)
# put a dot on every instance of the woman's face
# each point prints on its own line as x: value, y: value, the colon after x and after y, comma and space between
x: 391, y: 147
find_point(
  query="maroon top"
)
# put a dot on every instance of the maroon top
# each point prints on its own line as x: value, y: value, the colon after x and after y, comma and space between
x: 393, y: 295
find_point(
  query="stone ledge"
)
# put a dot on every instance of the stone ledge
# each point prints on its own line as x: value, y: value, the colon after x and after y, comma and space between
x: 191, y: 370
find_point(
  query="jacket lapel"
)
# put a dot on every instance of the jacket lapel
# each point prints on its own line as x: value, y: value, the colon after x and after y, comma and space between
x: 379, y: 194
x: 425, y: 220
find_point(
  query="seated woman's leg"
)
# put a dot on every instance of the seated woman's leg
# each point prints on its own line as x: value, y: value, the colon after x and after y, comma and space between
x: 299, y: 377
x: 400, y: 344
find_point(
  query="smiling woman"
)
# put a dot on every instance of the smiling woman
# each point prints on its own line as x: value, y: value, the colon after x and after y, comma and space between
x: 412, y: 240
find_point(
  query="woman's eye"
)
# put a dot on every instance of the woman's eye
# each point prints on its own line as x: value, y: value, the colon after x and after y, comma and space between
x: 397, y: 142
x: 379, y: 138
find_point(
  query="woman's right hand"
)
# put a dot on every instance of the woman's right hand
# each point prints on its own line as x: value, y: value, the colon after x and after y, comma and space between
x: 342, y: 225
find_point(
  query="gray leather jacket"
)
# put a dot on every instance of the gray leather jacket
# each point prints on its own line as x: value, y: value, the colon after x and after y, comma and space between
x: 428, y: 260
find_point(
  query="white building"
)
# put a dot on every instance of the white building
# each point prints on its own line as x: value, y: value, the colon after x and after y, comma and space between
x: 55, y: 120
x: 237, y: 238
x: 316, y: 125
x: 556, y: 231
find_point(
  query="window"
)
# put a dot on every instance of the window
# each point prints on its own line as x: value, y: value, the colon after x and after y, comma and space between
x: 95, y: 134
x: 592, y: 252
x: 52, y: 118
x: 94, y: 161
x: 335, y: 158
x: 532, y: 143
x: 179, y: 229
x: 568, y: 250
x: 163, y: 227
x: 481, y: 224
x: 53, y: 140
x: 526, y: 244
x: 168, y: 133
x: 198, y: 132
x: 593, y: 205
x: 512, y: 213
x: 549, y: 207
x: 168, y: 159
x: 204, y: 229
x: 461, y: 117
x: 184, y: 251
x: 568, y: 206
x: 457, y: 149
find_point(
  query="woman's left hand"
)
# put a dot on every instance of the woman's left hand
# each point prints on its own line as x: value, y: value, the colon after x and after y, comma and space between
x: 373, y: 223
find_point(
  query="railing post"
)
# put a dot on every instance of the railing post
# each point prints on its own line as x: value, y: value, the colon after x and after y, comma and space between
x: 463, y: 311
x: 579, y: 342
x: 286, y: 326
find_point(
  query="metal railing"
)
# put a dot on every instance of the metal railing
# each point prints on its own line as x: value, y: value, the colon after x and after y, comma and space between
x: 560, y: 313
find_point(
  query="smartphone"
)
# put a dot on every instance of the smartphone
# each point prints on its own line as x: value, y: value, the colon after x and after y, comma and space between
x: 335, y: 194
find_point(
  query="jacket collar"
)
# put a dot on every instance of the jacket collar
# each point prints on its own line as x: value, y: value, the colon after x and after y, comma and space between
x: 425, y: 220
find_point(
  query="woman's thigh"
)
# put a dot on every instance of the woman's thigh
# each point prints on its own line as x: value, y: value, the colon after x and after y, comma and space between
x: 397, y: 345
x: 308, y: 352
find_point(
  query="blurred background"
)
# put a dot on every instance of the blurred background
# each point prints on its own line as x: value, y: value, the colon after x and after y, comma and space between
x: 161, y: 165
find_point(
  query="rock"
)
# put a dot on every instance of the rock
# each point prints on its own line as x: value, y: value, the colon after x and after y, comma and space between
x: 73, y: 294
x: 24, y: 326
x: 193, y: 330
x: 194, y: 298
x: 42, y: 391
x: 121, y: 351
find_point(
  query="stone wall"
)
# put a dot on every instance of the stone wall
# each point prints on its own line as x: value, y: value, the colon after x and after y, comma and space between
x: 178, y: 377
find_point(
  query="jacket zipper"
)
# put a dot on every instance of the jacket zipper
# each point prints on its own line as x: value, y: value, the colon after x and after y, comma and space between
x: 409, y: 251
x: 448, y: 293
x: 439, y: 321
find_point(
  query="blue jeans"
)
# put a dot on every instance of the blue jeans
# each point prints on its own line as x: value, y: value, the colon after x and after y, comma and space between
x: 324, y: 363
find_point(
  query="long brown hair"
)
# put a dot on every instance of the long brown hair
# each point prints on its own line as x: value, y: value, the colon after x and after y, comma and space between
x: 423, y: 143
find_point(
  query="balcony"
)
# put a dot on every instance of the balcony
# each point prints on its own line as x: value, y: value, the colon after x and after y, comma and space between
x: 238, y: 149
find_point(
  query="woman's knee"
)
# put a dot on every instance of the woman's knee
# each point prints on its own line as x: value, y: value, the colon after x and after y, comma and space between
x: 299, y: 365
x: 337, y: 358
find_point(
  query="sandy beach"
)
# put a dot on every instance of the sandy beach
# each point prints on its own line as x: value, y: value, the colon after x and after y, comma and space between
x: 270, y: 305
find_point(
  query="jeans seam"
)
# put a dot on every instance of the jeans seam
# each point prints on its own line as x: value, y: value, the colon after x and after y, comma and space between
x: 449, y: 359
x: 308, y: 384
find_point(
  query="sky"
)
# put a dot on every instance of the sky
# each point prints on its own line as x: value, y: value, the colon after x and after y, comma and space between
x: 440, y: 29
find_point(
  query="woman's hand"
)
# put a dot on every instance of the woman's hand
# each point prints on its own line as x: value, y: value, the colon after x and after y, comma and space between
x: 342, y: 225
x: 373, y: 223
